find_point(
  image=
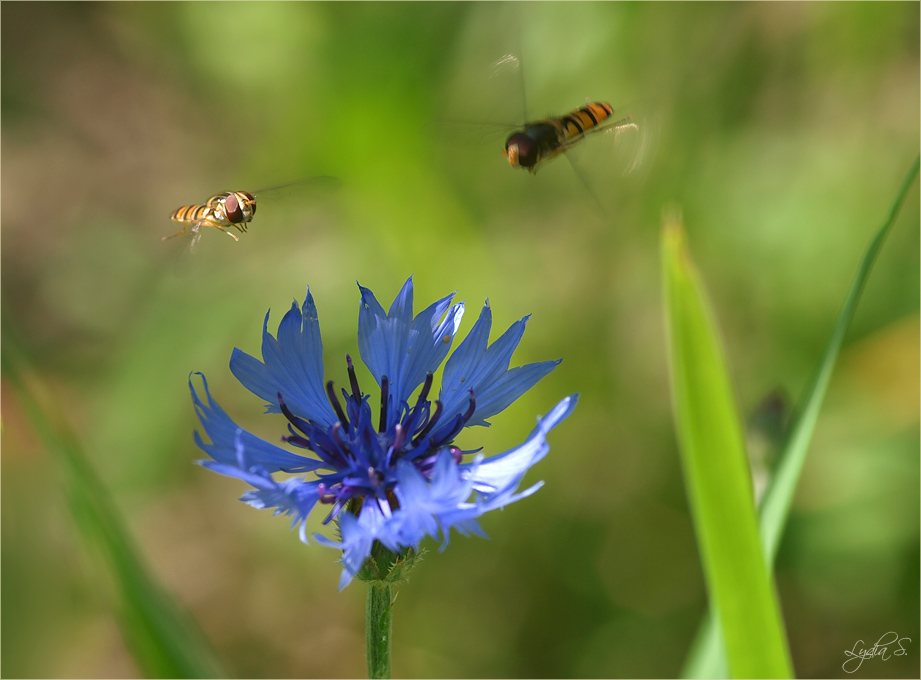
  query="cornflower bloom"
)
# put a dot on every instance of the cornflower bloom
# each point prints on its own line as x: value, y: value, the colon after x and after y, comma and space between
x: 397, y: 477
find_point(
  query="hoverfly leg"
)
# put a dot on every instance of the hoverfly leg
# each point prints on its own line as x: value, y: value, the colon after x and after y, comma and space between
x: 178, y: 233
x: 230, y: 234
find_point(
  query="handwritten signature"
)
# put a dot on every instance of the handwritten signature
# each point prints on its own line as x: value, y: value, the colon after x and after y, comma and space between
x: 858, y: 654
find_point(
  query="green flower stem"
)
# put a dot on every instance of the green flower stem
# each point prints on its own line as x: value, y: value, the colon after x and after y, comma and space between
x: 380, y: 614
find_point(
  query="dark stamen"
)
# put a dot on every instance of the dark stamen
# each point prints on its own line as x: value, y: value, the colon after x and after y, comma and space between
x: 335, y: 434
x: 396, y: 449
x: 337, y: 407
x: 299, y: 423
x: 385, y: 395
x: 420, y: 410
x: 353, y: 379
x: 470, y: 409
x: 428, y: 427
x: 426, y: 386
x: 297, y: 440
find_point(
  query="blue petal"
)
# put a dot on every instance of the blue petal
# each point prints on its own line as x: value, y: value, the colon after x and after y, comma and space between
x: 358, y: 535
x: 499, y: 395
x: 293, y: 366
x: 506, y: 469
x: 403, y: 348
x: 415, y: 519
x: 422, y: 501
x: 429, y: 342
x: 374, y: 352
x: 293, y: 497
x: 402, y: 306
x: 463, y: 518
x: 222, y: 432
x: 474, y: 366
x: 434, y: 507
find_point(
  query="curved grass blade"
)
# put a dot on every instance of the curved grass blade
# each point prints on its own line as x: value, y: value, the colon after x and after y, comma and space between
x: 163, y: 639
x: 707, y: 659
x: 717, y: 476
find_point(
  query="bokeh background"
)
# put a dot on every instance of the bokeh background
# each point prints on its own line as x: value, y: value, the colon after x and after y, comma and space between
x: 781, y: 130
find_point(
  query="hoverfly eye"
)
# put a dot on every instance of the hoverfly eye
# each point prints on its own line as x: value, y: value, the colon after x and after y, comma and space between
x: 250, y: 201
x: 232, y: 209
x: 522, y: 149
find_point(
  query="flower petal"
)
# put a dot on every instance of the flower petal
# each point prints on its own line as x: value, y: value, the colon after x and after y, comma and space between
x: 222, y: 432
x: 501, y: 471
x: 474, y: 366
x: 403, y: 348
x: 293, y: 497
x: 499, y: 395
x: 358, y: 536
x: 293, y: 366
x: 464, y: 517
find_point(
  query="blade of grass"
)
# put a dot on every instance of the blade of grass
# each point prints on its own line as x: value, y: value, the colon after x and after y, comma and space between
x: 164, y: 640
x: 707, y: 659
x: 717, y: 475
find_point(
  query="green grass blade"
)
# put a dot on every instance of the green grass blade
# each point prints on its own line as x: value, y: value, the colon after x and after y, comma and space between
x: 707, y: 659
x: 717, y: 475
x: 163, y: 639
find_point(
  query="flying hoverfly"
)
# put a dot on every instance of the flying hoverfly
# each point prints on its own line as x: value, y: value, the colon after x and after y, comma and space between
x: 224, y: 211
x: 542, y: 140
x: 531, y: 142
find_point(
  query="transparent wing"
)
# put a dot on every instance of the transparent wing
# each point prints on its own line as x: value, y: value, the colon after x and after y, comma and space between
x: 301, y: 187
x: 486, y: 92
x: 483, y: 104
x: 196, y: 237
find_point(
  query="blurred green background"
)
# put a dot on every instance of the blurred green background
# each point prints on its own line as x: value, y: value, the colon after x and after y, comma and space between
x: 782, y: 130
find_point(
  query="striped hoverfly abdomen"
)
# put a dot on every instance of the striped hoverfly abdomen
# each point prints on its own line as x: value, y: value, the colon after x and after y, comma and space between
x: 545, y: 139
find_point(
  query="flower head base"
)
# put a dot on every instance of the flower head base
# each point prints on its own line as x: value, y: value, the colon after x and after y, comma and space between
x: 392, y: 474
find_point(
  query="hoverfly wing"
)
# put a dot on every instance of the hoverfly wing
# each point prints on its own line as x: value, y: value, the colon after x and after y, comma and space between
x: 466, y: 134
x: 507, y: 75
x: 296, y: 188
x: 196, y: 237
x: 483, y: 100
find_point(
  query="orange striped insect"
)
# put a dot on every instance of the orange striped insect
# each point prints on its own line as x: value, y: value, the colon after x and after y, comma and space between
x: 542, y: 140
x: 230, y: 209
x: 226, y: 211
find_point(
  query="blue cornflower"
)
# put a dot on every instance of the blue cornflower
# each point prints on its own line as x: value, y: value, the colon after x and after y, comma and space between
x: 397, y: 477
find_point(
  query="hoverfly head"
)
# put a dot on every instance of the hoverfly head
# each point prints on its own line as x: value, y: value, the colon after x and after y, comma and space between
x: 521, y: 150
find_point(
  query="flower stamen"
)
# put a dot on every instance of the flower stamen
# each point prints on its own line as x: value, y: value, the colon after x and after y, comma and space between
x: 353, y: 379
x: 337, y: 407
x: 471, y: 408
x: 431, y: 423
x: 299, y: 423
x: 385, y: 395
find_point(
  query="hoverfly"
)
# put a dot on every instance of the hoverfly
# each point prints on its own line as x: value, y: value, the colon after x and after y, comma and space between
x: 542, y: 140
x: 230, y: 209
x: 224, y: 211
x: 530, y: 142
